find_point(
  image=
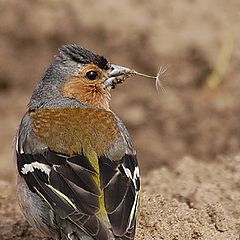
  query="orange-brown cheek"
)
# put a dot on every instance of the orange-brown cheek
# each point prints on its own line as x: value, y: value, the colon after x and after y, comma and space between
x: 87, y: 92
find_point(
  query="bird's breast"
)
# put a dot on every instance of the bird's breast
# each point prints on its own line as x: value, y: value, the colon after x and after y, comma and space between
x: 75, y: 130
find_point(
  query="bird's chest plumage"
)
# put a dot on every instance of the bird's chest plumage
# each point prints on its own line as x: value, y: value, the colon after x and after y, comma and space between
x: 75, y: 130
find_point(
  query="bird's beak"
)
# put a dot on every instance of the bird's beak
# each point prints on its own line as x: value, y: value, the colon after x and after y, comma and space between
x: 116, y: 75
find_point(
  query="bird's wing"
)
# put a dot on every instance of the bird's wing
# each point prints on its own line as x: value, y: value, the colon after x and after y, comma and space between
x: 122, y: 190
x: 88, y: 188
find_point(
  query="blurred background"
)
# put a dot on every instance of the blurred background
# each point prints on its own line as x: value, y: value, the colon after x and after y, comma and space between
x: 197, y: 41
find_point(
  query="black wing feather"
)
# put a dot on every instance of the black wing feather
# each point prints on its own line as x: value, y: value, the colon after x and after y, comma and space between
x: 121, y: 193
x: 79, y: 176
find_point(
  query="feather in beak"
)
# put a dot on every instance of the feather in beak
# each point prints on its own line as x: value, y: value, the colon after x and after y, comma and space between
x: 118, y: 74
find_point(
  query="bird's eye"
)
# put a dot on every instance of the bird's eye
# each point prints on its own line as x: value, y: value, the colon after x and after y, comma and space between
x: 91, y: 75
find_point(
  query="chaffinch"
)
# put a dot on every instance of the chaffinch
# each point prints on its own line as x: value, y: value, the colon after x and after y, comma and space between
x: 78, y: 176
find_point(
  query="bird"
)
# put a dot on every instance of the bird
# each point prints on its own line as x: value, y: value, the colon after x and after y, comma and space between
x: 77, y: 170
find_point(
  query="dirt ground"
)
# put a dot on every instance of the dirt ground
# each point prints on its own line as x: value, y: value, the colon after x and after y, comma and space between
x: 187, y: 137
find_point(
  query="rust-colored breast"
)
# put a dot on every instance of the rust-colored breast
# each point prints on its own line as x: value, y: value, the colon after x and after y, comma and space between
x: 71, y: 131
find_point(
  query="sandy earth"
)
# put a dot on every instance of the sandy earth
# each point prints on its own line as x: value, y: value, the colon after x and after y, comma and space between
x: 193, y: 197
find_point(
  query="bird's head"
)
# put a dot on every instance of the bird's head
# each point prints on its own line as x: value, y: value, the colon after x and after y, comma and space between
x: 78, y: 76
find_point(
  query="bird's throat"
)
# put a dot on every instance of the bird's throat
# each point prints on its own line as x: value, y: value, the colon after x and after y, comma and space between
x: 84, y: 91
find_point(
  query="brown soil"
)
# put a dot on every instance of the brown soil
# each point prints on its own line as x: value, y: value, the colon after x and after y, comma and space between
x: 195, y: 197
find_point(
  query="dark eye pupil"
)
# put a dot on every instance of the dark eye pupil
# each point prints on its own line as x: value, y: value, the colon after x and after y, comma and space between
x: 92, y: 75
